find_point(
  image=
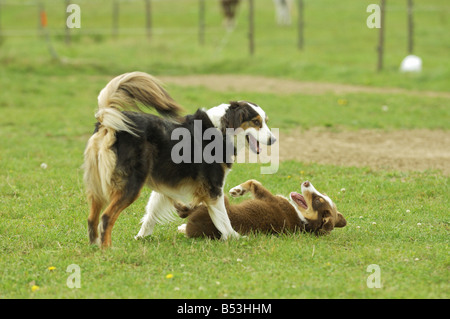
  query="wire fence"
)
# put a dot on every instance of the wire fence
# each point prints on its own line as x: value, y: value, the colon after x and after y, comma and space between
x: 122, y: 17
x: 185, y: 18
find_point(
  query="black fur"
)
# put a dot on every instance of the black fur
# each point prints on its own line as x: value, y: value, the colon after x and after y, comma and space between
x: 149, y: 153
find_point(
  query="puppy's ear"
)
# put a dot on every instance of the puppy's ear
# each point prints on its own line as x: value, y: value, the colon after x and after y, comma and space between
x: 340, y: 220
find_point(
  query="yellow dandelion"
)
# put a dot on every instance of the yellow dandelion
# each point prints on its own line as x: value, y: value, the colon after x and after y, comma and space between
x: 34, y: 288
x: 169, y: 276
x: 289, y: 176
x: 51, y: 268
x: 342, y: 101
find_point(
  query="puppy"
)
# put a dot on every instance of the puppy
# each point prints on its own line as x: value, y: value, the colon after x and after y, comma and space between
x: 310, y: 211
x: 131, y: 149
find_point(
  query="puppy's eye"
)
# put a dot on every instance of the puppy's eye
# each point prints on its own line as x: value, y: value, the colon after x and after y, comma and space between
x: 257, y: 122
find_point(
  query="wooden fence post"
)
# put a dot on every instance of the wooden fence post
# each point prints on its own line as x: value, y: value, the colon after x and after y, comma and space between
x: 67, y: 38
x: 300, y: 24
x: 410, y: 27
x: 251, y: 27
x: 381, y: 37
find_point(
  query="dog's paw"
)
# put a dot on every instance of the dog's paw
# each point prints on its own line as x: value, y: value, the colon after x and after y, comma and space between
x: 231, y: 235
x: 237, y: 191
x: 182, y: 229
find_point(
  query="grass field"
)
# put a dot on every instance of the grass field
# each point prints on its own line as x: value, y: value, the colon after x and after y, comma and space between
x: 398, y: 220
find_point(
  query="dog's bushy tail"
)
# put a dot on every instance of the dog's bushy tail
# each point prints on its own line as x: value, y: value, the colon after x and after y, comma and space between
x: 129, y: 91
x: 132, y: 91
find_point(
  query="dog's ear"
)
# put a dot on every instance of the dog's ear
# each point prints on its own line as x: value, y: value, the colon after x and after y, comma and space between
x: 340, y: 220
x: 233, y: 117
x: 237, y: 114
x: 234, y: 105
x: 327, y: 225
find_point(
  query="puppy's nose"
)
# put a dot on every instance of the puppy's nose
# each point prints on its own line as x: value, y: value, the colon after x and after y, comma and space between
x: 306, y: 184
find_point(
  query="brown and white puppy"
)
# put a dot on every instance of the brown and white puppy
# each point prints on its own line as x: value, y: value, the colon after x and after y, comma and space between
x: 318, y: 209
x: 267, y: 213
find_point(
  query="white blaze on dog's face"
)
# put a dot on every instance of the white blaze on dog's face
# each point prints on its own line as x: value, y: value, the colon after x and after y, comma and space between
x: 318, y: 209
x: 250, y: 121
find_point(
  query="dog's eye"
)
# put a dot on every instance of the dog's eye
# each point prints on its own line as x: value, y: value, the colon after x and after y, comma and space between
x: 257, y: 122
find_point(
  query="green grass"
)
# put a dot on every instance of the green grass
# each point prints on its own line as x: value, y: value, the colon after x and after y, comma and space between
x: 47, y: 109
x: 44, y: 225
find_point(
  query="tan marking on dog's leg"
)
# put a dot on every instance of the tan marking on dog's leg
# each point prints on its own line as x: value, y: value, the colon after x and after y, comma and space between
x: 116, y: 206
x: 93, y: 219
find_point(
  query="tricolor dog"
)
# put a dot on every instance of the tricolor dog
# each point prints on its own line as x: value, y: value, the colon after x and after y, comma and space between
x: 130, y: 149
x: 310, y: 211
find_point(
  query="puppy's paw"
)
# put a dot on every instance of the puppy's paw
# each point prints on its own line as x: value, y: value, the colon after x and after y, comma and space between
x: 237, y: 191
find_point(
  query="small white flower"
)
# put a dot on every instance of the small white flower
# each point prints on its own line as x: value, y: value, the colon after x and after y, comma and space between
x: 239, y: 260
x: 358, y: 227
x: 343, y: 190
x: 419, y: 224
x: 361, y: 217
x: 44, y: 166
x: 374, y: 223
x: 408, y: 211
x: 416, y: 259
x: 385, y: 108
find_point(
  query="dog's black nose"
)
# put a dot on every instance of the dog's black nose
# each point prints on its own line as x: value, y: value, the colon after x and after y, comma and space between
x: 272, y: 140
x: 306, y: 184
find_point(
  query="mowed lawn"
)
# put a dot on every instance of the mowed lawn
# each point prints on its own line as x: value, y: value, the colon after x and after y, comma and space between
x: 398, y: 221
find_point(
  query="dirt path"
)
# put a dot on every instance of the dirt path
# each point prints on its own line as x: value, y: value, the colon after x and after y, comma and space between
x: 407, y: 150
x: 410, y: 150
x: 250, y: 83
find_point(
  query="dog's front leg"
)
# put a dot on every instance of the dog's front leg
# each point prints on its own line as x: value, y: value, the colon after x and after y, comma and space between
x: 159, y: 209
x: 220, y: 219
x: 258, y: 191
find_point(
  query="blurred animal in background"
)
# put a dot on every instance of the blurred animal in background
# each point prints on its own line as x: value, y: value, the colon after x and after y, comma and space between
x: 229, y: 10
x: 283, y: 11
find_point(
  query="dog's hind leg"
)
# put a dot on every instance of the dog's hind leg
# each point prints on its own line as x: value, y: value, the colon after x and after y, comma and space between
x: 119, y: 201
x: 158, y: 210
x: 96, y: 206
x: 218, y: 213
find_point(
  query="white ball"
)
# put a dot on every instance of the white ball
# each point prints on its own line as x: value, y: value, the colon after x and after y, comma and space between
x: 411, y: 63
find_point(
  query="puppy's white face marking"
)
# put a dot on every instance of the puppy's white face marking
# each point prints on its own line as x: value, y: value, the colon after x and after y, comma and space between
x: 299, y: 213
x: 312, y: 190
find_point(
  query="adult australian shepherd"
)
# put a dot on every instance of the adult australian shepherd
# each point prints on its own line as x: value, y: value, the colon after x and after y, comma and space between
x: 130, y: 149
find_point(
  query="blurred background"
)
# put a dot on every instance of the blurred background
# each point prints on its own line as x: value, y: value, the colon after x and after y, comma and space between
x: 331, y: 42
